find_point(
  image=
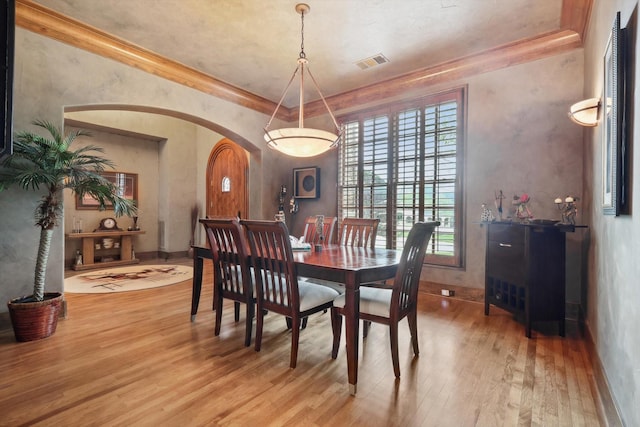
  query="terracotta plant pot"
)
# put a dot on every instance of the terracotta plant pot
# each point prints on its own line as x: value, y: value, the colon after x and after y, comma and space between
x: 34, y: 320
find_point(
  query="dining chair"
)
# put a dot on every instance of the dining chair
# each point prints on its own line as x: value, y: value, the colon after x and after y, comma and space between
x: 388, y: 304
x: 232, y: 279
x: 358, y: 232
x: 277, y: 287
x: 355, y: 232
x: 310, y: 235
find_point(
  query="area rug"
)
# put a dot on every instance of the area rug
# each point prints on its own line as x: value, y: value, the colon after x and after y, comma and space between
x: 130, y: 278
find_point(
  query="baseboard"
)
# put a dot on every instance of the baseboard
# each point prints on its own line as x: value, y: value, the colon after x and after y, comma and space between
x: 606, y: 406
x: 164, y: 255
x: 460, y: 292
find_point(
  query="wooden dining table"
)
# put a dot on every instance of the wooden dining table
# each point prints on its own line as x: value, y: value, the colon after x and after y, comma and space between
x: 345, y: 264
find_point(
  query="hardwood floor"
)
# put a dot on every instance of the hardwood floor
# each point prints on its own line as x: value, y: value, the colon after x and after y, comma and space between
x: 135, y: 359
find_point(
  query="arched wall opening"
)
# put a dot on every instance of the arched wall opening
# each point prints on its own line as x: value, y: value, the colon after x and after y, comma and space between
x: 168, y: 151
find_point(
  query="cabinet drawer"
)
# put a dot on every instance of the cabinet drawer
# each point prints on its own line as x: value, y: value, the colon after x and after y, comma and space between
x: 506, y: 261
x: 507, y: 234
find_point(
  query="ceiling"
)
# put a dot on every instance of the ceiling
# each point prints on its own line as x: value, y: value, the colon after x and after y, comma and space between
x: 254, y: 44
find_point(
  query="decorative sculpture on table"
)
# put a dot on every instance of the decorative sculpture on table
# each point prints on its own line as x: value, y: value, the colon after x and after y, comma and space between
x: 498, y: 202
x: 568, y: 209
x: 320, y: 231
x: 280, y: 215
x: 522, y: 209
x: 487, y: 215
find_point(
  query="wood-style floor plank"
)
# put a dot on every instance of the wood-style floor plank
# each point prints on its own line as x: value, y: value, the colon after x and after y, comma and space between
x: 135, y: 359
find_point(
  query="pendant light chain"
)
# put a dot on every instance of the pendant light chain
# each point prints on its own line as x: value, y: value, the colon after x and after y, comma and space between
x: 302, y: 54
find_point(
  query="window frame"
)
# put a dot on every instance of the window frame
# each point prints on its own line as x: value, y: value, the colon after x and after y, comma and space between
x: 392, y: 111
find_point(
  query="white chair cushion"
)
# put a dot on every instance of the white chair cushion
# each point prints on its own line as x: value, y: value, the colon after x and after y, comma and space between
x: 336, y: 286
x: 312, y: 295
x: 372, y: 301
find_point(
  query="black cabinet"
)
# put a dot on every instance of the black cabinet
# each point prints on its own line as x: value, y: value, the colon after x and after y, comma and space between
x: 525, y: 272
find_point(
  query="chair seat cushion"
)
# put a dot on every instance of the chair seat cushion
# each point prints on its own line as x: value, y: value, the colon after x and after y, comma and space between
x: 373, y: 301
x: 336, y: 286
x: 312, y: 295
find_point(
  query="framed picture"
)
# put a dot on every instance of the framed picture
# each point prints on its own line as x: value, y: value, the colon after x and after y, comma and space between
x: 306, y: 183
x: 127, y: 184
x: 613, y: 114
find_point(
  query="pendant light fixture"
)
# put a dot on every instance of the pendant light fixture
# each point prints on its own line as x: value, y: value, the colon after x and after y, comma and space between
x: 301, y: 141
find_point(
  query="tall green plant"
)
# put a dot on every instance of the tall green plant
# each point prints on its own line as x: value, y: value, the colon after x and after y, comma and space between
x: 49, y: 163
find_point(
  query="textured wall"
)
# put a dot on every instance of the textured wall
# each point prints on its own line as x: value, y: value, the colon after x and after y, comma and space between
x: 50, y: 76
x: 519, y: 140
x: 614, y: 292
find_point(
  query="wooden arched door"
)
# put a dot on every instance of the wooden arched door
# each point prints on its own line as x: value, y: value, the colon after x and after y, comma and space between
x: 227, y: 185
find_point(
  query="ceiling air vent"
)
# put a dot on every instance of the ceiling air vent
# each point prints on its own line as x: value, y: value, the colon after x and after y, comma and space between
x: 372, y: 61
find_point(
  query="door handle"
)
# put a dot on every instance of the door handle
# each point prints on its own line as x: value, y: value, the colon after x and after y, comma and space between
x: 505, y: 245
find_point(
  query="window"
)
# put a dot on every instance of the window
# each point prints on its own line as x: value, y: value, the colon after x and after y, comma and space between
x: 402, y: 163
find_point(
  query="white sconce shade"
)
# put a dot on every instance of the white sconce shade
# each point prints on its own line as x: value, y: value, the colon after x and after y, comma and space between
x: 585, y: 113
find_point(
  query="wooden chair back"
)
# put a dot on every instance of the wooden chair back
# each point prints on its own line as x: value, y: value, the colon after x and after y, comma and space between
x: 359, y: 232
x: 277, y: 286
x: 405, y: 284
x: 274, y: 269
x: 231, y: 276
x: 310, y: 235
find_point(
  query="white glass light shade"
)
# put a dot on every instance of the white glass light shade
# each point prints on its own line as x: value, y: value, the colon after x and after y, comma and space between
x: 585, y: 113
x: 300, y: 142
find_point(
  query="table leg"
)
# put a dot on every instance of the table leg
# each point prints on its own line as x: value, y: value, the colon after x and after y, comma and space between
x: 352, y: 325
x: 197, y: 284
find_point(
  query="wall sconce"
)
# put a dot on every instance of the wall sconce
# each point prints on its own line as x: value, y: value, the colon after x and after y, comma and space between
x: 585, y: 113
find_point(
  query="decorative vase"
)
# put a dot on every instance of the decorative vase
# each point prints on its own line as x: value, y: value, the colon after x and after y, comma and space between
x: 34, y: 320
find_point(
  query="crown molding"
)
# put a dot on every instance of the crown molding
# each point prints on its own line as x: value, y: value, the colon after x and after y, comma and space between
x: 46, y: 22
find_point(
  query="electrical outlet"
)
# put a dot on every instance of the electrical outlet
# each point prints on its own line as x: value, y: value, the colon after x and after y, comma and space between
x: 447, y: 292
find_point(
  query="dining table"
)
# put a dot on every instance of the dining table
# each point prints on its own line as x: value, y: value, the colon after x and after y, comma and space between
x: 349, y: 265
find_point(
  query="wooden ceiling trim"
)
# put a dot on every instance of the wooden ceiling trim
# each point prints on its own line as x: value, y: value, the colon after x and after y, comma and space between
x: 501, y: 57
x: 41, y: 20
x: 575, y: 16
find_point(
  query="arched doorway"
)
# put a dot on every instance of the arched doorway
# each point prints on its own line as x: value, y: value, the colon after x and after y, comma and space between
x: 227, y: 181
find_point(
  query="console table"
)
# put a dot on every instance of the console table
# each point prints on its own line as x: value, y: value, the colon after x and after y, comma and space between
x: 89, y: 251
x: 525, y: 271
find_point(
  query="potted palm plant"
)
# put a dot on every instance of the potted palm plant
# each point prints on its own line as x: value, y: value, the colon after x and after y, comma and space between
x: 51, y: 165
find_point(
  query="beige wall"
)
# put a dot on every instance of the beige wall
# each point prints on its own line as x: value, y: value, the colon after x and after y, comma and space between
x: 51, y: 76
x: 613, y: 312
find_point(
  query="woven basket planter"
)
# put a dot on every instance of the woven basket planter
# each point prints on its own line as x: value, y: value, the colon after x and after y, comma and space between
x: 34, y: 320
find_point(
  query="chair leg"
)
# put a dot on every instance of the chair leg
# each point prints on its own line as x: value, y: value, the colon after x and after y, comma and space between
x: 365, y: 328
x: 259, y: 323
x: 248, y: 324
x: 236, y: 311
x: 336, y: 325
x: 295, y: 338
x: 393, y: 337
x: 217, y: 307
x: 412, y: 318
x: 304, y: 322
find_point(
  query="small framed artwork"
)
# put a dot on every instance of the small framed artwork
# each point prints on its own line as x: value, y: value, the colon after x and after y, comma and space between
x: 126, y: 183
x: 306, y: 183
x: 612, y: 139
